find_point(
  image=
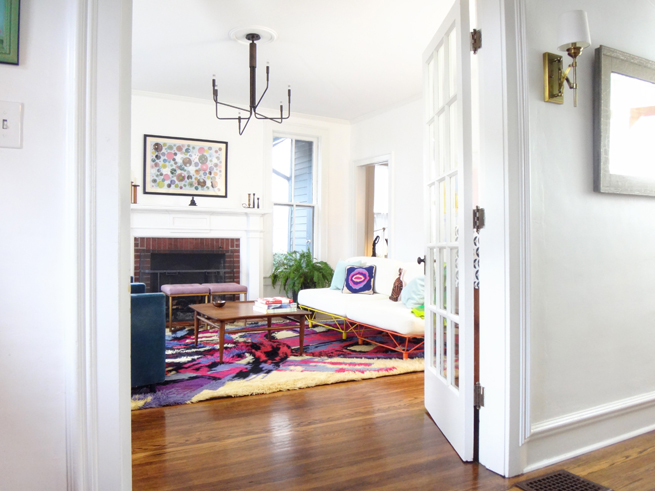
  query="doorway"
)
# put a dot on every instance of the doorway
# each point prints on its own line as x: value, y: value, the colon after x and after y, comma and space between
x: 377, y: 210
x: 373, y: 215
x: 123, y: 179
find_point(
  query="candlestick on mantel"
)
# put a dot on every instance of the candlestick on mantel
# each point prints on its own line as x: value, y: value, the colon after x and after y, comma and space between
x: 133, y: 194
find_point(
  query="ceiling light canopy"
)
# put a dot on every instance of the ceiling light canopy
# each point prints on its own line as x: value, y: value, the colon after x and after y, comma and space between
x: 250, y: 36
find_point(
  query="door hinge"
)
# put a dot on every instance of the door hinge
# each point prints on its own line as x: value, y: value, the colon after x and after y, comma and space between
x: 478, y: 219
x: 478, y: 396
x: 476, y: 40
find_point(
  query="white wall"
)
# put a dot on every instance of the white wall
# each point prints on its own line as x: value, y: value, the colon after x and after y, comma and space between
x: 32, y: 417
x: 399, y: 132
x: 64, y: 416
x: 249, y: 161
x: 158, y: 114
x: 592, y: 314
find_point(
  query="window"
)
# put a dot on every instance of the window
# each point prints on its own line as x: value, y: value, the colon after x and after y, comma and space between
x: 293, y: 194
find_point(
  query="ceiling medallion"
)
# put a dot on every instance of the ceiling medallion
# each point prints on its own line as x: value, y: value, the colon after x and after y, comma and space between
x: 250, y: 36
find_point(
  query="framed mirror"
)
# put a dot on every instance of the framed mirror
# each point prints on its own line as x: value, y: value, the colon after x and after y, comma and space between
x: 624, y: 123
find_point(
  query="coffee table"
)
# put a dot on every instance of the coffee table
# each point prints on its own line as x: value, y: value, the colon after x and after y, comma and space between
x: 206, y: 313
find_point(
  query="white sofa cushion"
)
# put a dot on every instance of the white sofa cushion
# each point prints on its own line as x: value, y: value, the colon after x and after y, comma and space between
x: 333, y: 301
x: 392, y: 316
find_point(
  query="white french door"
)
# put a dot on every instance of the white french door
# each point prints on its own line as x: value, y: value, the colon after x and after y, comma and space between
x: 449, y: 346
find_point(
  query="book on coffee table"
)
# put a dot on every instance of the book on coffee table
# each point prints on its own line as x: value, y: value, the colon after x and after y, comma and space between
x: 273, y: 301
x: 279, y: 308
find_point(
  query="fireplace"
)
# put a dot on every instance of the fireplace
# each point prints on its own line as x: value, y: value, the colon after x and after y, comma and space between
x: 163, y: 261
x: 236, y: 232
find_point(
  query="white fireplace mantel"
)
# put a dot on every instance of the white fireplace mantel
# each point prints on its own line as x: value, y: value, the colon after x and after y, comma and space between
x: 246, y: 224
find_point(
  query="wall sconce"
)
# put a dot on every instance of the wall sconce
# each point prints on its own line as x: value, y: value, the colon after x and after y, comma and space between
x: 573, y: 37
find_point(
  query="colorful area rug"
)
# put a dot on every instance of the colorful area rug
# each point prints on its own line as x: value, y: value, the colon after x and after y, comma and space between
x: 254, y: 365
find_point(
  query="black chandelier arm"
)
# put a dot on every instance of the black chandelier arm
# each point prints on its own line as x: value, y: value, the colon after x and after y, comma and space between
x: 282, y: 117
x: 241, y: 130
x: 230, y: 105
x: 262, y: 96
x: 279, y: 119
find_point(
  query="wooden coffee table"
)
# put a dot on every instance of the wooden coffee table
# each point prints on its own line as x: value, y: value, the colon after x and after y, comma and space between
x: 206, y: 313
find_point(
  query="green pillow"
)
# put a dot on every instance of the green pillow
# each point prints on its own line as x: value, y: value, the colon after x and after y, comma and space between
x: 339, y: 277
x: 413, y: 294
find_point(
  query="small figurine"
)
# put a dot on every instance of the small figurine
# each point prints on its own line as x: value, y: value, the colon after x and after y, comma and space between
x: 397, y: 287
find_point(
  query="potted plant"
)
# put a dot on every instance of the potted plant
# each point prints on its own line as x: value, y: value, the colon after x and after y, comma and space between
x: 296, y: 271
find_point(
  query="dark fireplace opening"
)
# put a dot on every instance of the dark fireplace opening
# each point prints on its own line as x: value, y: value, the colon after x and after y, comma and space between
x: 168, y: 268
x: 164, y: 261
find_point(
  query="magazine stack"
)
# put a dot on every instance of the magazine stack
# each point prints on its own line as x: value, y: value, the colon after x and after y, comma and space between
x: 275, y: 305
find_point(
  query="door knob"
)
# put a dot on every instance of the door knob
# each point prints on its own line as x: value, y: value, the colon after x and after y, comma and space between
x: 420, y: 260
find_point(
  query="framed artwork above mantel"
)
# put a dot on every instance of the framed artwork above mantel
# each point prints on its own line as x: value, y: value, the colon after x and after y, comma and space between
x: 184, y: 166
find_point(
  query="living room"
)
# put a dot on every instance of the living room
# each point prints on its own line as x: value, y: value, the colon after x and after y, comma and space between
x: 345, y: 136
x: 574, y: 330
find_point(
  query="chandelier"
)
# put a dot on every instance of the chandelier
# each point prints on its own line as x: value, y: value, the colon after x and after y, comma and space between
x: 254, y: 102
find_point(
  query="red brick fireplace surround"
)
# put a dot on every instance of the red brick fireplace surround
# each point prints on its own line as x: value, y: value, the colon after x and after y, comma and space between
x: 145, y: 246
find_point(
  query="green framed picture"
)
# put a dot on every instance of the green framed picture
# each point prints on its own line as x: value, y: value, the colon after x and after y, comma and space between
x: 9, y: 23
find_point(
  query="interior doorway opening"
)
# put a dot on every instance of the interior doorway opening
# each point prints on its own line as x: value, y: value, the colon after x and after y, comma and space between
x: 374, y: 221
x: 377, y: 210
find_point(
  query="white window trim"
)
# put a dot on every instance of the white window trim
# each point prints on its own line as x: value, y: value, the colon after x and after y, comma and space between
x: 321, y: 201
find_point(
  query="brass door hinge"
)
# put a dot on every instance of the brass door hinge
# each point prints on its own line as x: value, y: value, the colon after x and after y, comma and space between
x: 478, y: 396
x: 476, y: 40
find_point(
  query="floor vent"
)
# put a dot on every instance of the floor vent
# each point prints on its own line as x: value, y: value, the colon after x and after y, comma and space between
x: 560, y: 481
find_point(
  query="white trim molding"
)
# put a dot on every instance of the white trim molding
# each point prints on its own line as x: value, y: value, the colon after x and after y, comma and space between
x: 591, y: 415
x: 574, y: 434
x: 98, y: 433
x: 358, y: 240
x: 523, y: 92
x: 81, y: 380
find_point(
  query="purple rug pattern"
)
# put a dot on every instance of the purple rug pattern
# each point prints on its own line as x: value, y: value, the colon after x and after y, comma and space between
x: 192, y: 370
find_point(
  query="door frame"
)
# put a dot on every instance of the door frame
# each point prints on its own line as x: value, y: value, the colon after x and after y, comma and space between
x: 97, y: 235
x: 359, y: 201
x: 505, y: 241
x: 98, y: 440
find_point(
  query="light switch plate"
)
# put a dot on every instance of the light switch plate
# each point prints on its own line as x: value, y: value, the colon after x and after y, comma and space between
x: 11, y: 124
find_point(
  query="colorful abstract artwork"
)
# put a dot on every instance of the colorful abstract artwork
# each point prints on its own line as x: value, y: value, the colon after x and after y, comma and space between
x: 184, y: 166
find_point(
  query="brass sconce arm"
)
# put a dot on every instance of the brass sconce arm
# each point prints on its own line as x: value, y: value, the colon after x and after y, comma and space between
x: 554, y: 76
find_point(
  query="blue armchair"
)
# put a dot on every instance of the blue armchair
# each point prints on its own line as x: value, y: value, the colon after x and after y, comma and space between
x: 148, y: 336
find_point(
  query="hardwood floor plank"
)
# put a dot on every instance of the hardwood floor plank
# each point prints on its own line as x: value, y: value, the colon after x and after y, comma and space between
x: 363, y: 435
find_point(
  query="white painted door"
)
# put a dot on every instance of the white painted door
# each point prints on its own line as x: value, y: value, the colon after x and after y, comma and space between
x: 449, y: 230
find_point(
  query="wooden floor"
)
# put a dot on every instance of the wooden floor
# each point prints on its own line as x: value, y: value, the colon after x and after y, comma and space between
x: 373, y: 434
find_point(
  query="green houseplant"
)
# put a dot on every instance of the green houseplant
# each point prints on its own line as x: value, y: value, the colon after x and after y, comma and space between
x: 296, y: 271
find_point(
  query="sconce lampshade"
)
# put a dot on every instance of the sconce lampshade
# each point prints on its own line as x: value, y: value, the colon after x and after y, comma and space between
x: 573, y: 30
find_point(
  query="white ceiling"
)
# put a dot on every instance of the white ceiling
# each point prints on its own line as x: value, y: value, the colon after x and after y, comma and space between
x: 343, y: 58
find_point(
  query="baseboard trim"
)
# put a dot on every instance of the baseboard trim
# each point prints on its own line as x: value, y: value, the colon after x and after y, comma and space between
x: 587, y: 449
x: 591, y: 415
